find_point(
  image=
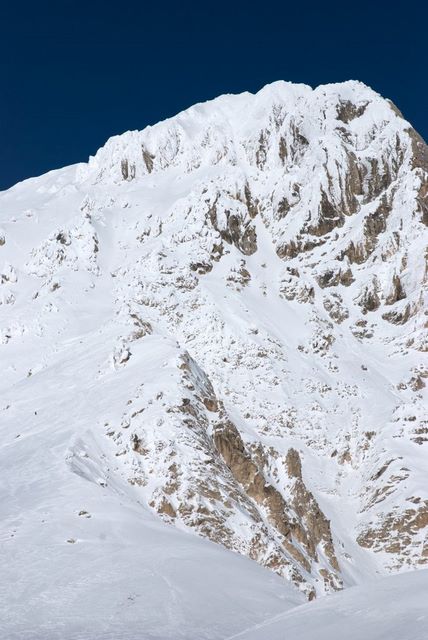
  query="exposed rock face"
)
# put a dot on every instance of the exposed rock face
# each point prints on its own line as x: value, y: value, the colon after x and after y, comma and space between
x: 348, y: 111
x: 402, y: 535
x: 251, y: 278
x: 300, y: 522
x: 315, y: 532
x: 237, y: 229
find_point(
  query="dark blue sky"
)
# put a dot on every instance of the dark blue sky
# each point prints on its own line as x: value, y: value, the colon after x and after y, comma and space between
x: 75, y: 73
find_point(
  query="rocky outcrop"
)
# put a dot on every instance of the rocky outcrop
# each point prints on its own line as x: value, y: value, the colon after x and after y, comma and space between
x: 301, y: 521
x: 402, y: 535
x: 348, y: 111
x: 314, y: 530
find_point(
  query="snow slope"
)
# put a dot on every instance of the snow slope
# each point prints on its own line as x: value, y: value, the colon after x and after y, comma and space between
x: 392, y: 608
x: 126, y: 576
x: 215, y: 329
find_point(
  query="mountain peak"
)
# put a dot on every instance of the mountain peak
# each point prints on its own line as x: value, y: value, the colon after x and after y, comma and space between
x: 229, y: 130
x: 216, y: 328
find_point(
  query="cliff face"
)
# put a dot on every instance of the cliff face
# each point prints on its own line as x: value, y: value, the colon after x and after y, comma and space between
x: 222, y: 319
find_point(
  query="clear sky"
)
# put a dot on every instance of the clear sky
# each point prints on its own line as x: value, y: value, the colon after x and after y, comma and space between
x: 74, y: 73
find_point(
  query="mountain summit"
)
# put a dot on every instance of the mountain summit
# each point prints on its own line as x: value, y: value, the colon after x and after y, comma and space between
x: 215, y: 328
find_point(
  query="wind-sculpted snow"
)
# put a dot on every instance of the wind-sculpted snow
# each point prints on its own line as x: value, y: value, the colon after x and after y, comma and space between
x: 220, y: 320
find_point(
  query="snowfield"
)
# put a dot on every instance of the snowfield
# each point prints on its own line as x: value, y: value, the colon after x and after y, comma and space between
x: 393, y: 608
x: 213, y: 393
x: 127, y: 577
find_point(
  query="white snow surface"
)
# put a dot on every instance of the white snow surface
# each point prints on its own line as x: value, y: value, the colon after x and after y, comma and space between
x: 182, y: 280
x: 392, y: 608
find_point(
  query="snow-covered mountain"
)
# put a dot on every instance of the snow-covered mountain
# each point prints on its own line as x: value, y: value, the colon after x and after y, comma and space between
x: 215, y: 328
